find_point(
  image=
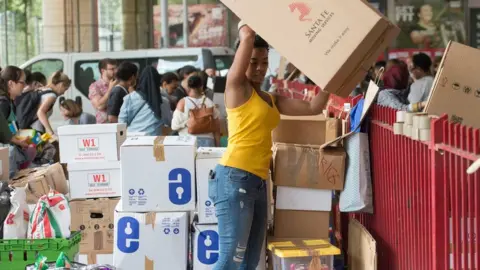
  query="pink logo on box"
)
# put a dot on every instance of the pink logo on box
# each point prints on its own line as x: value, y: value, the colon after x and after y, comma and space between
x: 98, y: 180
x: 303, y: 9
x: 88, y: 144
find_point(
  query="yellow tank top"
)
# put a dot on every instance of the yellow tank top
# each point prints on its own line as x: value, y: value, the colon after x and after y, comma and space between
x: 250, y: 136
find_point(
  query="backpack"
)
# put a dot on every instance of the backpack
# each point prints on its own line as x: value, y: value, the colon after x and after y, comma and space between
x: 200, y: 119
x: 27, y: 106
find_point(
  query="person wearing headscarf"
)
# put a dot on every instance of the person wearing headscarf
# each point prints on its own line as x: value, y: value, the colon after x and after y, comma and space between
x: 143, y: 110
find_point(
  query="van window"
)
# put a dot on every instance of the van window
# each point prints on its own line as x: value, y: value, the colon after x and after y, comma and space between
x: 166, y: 64
x: 46, y: 66
x: 87, y: 72
x: 223, y: 61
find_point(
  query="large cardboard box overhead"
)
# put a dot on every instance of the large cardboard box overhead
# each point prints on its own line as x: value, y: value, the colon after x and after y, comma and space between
x: 39, y: 181
x: 87, y: 143
x: 95, y: 219
x: 456, y: 89
x: 150, y: 241
x: 309, y: 166
x: 333, y: 42
x: 158, y: 174
x: 314, y: 129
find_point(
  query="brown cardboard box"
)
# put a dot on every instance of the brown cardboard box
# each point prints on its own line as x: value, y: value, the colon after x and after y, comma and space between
x: 362, y: 248
x: 345, y: 37
x: 456, y: 89
x: 5, y: 164
x: 308, y: 166
x: 301, y: 224
x: 95, y: 219
x: 314, y: 129
x: 38, y: 181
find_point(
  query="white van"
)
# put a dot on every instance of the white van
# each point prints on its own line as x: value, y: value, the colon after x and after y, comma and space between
x: 82, y: 68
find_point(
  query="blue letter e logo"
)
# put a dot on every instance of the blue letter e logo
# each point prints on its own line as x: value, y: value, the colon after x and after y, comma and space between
x: 128, y: 235
x: 180, y: 189
x: 207, y: 247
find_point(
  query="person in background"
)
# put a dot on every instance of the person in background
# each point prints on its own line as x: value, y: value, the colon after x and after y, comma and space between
x: 59, y: 83
x: 182, y: 89
x: 142, y: 109
x: 207, y: 91
x: 99, y: 91
x: 34, y: 80
x: 252, y: 115
x: 12, y: 82
x: 211, y: 72
x: 126, y: 78
x: 169, y: 83
x: 74, y: 115
x: 436, y: 64
x: 196, y: 99
x: 423, y: 79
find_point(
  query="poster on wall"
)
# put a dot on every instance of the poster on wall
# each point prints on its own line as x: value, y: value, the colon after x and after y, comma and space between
x: 429, y: 24
x: 207, y: 25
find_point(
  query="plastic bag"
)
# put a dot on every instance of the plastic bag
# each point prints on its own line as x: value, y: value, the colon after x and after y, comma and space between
x: 5, y: 204
x: 41, y: 263
x: 51, y: 217
x: 63, y: 261
x: 16, y: 223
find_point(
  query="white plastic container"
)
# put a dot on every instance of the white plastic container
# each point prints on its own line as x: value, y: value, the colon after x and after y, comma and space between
x: 302, y: 254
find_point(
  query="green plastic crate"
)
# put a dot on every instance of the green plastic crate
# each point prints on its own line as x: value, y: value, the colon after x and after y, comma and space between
x: 17, y: 254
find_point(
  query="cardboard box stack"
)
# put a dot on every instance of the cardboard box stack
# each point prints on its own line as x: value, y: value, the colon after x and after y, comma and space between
x: 158, y: 192
x: 92, y: 155
x: 205, y: 239
x: 305, y: 175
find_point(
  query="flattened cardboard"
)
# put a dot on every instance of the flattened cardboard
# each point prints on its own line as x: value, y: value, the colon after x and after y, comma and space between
x: 95, y: 219
x: 307, y: 166
x: 5, y: 164
x: 345, y: 36
x: 362, y: 247
x: 301, y: 224
x: 38, y: 181
x: 456, y: 90
x: 309, y: 130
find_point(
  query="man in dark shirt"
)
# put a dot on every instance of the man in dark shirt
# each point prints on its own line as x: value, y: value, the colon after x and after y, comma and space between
x: 182, y: 90
x: 126, y: 76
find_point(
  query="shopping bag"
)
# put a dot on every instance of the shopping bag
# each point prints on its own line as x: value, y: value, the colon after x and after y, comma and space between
x: 51, y: 217
x: 16, y: 223
x: 357, y: 193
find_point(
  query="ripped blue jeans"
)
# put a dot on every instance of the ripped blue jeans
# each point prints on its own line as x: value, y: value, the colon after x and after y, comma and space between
x: 240, y: 200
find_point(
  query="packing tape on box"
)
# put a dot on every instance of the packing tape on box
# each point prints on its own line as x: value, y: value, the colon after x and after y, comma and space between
x: 415, y: 134
x: 424, y: 135
x: 407, y: 130
x: 409, y: 118
x: 398, y: 128
x: 400, y: 116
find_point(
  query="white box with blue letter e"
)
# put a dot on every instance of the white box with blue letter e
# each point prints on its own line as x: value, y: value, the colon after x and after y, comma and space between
x: 153, y: 241
x: 207, y: 159
x: 158, y: 174
x: 206, y: 248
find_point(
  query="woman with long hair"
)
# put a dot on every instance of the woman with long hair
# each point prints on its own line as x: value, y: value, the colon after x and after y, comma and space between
x: 74, y: 114
x: 143, y: 110
x: 196, y: 99
x: 12, y: 82
x: 237, y: 187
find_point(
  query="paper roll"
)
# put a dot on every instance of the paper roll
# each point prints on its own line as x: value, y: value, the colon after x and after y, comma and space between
x: 409, y: 118
x: 415, y: 134
x: 424, y: 135
x: 398, y: 128
x: 400, y: 117
x: 407, y: 130
x: 424, y: 122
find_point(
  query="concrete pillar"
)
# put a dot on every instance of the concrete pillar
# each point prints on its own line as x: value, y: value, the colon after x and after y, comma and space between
x: 137, y: 24
x: 70, y: 25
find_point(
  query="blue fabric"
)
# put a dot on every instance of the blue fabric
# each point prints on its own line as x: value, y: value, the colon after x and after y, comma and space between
x: 356, y: 116
x: 138, y: 116
x: 240, y: 200
x: 205, y: 142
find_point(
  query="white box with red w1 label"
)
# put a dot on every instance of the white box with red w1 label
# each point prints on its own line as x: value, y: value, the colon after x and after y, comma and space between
x: 95, y: 179
x: 158, y: 174
x: 88, y: 143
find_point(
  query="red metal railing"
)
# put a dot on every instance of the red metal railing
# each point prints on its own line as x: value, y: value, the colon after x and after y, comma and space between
x: 426, y: 206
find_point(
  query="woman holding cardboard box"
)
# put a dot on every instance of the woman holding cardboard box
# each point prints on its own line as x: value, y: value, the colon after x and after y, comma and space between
x: 237, y: 185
